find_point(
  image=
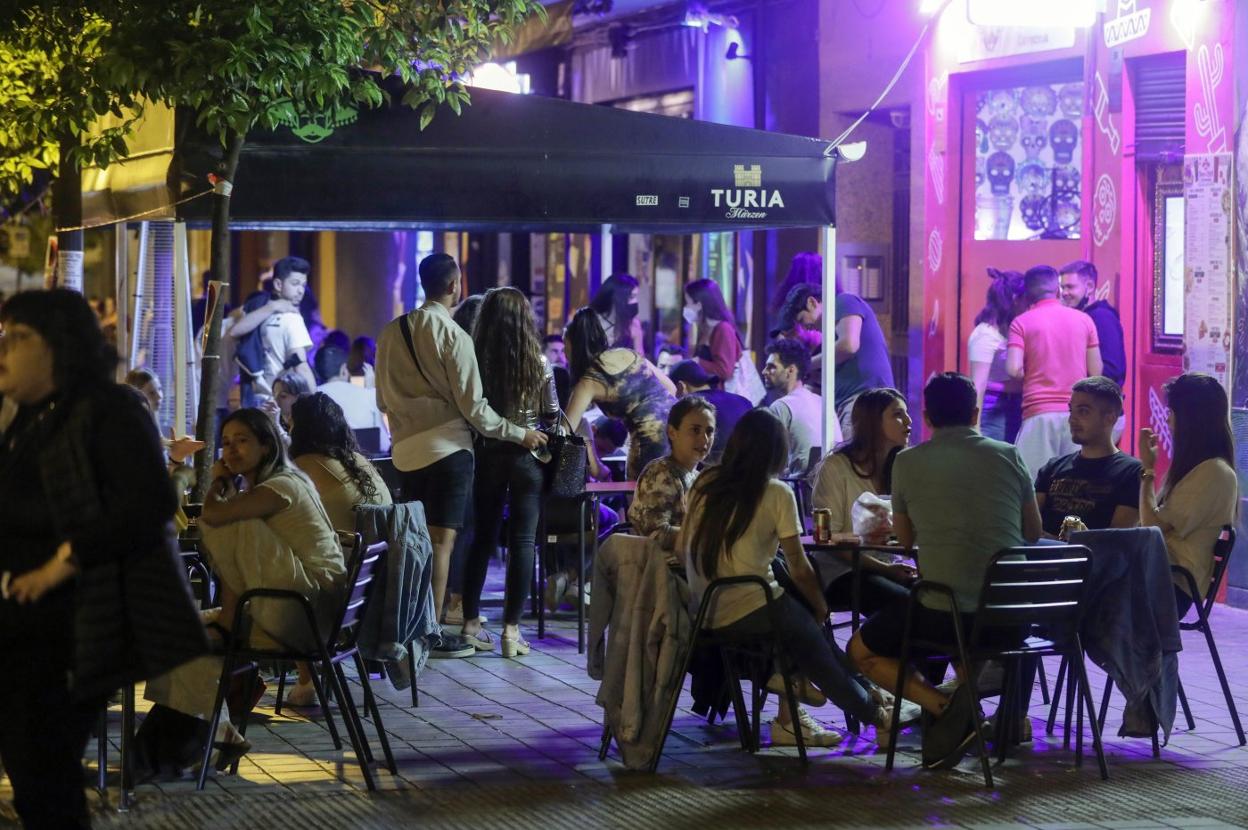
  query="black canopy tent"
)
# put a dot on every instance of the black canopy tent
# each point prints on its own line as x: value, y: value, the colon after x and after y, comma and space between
x: 507, y: 163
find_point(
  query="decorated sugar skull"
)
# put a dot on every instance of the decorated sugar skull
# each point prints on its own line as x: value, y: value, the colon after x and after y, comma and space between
x: 1066, y: 179
x: 1002, y: 133
x: 981, y: 136
x: 1035, y: 212
x: 1033, y: 179
x: 1035, y: 135
x: 1039, y: 101
x: 1065, y: 218
x: 1000, y: 173
x: 1063, y: 136
x: 981, y: 101
x: 1070, y: 100
x: 1001, y: 104
x: 981, y: 171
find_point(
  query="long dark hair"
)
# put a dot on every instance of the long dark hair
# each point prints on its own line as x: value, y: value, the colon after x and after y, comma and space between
x: 806, y: 267
x: 708, y: 293
x: 319, y: 427
x: 265, y: 430
x: 1001, y: 303
x: 729, y: 495
x: 867, y: 418
x: 509, y: 353
x: 1202, y: 425
x: 585, y: 341
x: 611, y: 299
x: 82, y: 358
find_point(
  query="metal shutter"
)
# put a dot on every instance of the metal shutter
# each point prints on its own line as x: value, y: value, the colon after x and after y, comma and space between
x: 1160, y: 85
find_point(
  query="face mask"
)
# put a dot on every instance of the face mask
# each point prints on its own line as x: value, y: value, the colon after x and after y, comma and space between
x: 633, y: 308
x: 690, y: 314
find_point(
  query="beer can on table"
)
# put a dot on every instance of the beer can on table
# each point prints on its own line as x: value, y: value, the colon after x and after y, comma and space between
x: 823, y: 525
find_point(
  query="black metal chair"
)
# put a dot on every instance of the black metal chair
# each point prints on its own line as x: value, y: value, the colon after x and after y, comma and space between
x: 1222, y: 550
x: 1024, y: 588
x: 327, y: 657
x: 586, y: 535
x: 760, y: 655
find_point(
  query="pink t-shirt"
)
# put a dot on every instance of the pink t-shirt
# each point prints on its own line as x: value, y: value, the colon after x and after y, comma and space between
x: 1055, y: 342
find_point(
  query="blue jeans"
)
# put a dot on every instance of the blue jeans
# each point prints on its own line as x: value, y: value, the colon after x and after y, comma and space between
x: 1002, y: 416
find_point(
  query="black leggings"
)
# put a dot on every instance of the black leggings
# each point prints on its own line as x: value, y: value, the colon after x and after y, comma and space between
x: 507, y: 474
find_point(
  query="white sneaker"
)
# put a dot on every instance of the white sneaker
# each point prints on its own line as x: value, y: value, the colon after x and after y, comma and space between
x: 908, y: 712
x: 301, y: 695
x: 813, y: 733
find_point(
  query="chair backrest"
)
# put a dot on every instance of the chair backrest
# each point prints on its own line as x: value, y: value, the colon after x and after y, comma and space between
x: 362, y: 565
x: 717, y: 585
x: 1222, y: 550
x: 369, y: 439
x: 1042, y: 585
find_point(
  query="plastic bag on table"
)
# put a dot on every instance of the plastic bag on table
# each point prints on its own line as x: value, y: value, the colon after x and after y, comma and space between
x: 872, y: 517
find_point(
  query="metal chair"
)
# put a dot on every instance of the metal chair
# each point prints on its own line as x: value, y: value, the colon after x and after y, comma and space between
x: 761, y: 651
x: 1024, y: 587
x: 1222, y: 550
x: 327, y: 656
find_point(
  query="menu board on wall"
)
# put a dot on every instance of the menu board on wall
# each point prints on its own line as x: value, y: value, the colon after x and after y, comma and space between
x: 1208, y: 326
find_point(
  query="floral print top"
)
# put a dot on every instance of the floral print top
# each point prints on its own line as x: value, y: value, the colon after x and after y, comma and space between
x: 658, y: 508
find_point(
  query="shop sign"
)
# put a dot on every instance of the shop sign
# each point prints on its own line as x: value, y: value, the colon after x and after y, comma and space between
x: 987, y: 42
x: 749, y: 199
x: 1130, y: 24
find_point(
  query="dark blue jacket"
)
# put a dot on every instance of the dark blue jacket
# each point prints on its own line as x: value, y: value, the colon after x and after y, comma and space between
x: 1109, y: 332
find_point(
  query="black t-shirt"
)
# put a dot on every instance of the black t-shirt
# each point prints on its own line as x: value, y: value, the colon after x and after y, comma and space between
x: 1090, y: 488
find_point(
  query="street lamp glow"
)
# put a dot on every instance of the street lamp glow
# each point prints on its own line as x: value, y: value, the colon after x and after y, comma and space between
x: 1032, y: 13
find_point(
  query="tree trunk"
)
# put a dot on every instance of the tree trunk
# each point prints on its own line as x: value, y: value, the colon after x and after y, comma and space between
x: 211, y: 370
x: 67, y: 209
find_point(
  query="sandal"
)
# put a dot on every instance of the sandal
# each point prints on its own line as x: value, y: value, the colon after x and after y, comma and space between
x: 483, y: 640
x: 516, y: 647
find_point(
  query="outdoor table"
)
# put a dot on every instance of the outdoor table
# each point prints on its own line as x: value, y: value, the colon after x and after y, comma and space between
x: 1131, y: 626
x: 587, y: 501
x: 855, y: 550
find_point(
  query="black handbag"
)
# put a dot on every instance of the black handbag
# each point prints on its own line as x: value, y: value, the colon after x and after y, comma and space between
x: 569, y: 460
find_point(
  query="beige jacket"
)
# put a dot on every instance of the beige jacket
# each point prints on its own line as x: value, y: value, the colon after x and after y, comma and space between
x: 434, y: 408
x: 642, y: 605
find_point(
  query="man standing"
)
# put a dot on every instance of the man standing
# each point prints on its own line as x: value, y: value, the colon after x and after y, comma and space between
x: 283, y: 339
x: 429, y: 385
x: 799, y: 409
x: 1098, y: 483
x: 691, y: 379
x: 962, y: 498
x: 554, y: 350
x: 1078, y: 285
x: 359, y: 405
x: 861, y: 353
x: 1051, y: 347
x: 669, y: 355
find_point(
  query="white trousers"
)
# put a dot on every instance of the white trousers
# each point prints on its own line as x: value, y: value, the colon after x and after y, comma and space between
x: 1044, y: 437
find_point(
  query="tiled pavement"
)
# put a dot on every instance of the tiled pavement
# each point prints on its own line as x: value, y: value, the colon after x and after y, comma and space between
x: 513, y: 744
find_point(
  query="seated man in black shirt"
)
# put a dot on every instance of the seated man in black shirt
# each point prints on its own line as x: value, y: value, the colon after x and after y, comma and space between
x: 1099, y: 484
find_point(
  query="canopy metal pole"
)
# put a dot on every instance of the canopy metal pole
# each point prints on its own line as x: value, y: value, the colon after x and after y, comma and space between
x: 827, y: 250
x: 181, y: 325
x: 605, y: 259
x: 138, y: 316
x: 121, y: 277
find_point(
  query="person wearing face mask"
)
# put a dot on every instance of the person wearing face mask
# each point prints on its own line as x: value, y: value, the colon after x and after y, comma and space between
x: 719, y: 346
x: 659, y: 505
x: 617, y: 304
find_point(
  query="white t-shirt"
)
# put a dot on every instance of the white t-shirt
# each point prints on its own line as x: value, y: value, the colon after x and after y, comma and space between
x: 775, y: 519
x: 987, y: 345
x: 359, y: 405
x: 281, y: 335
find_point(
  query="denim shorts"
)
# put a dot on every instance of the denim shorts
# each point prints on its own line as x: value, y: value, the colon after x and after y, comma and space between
x: 444, y: 488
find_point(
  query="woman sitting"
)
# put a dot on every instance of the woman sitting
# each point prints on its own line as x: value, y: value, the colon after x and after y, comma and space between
x: 658, y: 508
x: 263, y: 527
x: 1200, y: 491
x: 518, y: 383
x: 623, y: 384
x: 864, y: 465
x: 324, y: 448
x: 739, y: 513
